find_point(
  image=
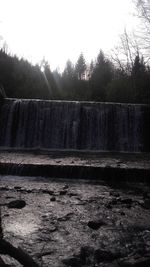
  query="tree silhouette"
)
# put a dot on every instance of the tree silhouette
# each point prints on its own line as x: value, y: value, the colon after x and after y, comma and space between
x: 102, y: 74
x: 80, y: 67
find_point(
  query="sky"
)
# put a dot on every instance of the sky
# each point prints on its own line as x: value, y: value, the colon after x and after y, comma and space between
x: 58, y: 30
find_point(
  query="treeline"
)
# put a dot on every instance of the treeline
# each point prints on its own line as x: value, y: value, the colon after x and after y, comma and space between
x: 102, y: 80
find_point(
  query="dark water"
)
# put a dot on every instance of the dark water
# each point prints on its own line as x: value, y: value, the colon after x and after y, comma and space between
x: 72, y: 125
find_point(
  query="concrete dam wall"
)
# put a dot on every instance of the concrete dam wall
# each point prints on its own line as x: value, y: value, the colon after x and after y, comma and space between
x: 70, y: 125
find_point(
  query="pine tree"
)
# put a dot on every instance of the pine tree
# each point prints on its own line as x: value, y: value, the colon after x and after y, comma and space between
x: 80, y: 67
x: 102, y: 75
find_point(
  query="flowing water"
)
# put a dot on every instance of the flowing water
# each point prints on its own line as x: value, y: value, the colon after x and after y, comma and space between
x: 66, y: 125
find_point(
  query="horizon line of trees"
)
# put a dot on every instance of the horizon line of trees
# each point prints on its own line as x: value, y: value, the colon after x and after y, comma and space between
x: 102, y: 80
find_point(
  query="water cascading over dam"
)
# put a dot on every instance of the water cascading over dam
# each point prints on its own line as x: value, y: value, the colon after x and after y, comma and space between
x: 70, y: 125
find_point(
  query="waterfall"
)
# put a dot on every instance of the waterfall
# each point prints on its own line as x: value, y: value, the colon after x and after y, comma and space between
x: 70, y: 125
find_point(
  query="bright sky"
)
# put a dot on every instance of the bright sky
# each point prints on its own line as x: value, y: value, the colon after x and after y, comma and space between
x: 61, y: 29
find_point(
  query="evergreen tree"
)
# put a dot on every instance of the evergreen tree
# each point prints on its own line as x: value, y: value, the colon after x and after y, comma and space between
x: 80, y: 67
x: 69, y: 81
x: 140, y: 76
x: 102, y: 75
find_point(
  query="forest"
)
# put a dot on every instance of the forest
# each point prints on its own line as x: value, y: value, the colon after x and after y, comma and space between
x: 101, y: 81
x: 107, y: 78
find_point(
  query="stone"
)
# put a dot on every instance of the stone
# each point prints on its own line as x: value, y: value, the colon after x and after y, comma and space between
x: 62, y: 193
x: 108, y: 206
x: 72, y: 262
x: 53, y: 199
x: 127, y: 201
x: 140, y: 262
x: 95, y: 225
x: 104, y: 255
x: 46, y: 191
x: 65, y: 187
x: 114, y: 194
x: 16, y: 204
x: 17, y: 187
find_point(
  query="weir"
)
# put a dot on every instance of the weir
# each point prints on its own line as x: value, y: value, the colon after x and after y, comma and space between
x: 70, y: 125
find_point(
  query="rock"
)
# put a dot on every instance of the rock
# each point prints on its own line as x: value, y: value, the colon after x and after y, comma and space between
x: 103, y: 255
x: 53, y: 199
x: 17, y: 187
x: 80, y: 259
x: 114, y: 201
x: 72, y: 194
x: 122, y: 213
x: 62, y: 193
x: 6, y: 215
x: 114, y: 194
x: 46, y: 191
x: 95, y: 225
x: 141, y: 262
x: 8, y: 197
x: 127, y: 201
x: 108, y: 206
x: 65, y: 187
x: 66, y: 217
x: 16, y: 204
x: 88, y: 256
x: 72, y: 262
x: 4, y: 188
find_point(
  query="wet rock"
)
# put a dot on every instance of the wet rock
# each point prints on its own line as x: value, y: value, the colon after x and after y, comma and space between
x: 114, y: 201
x: 63, y: 192
x: 141, y: 262
x: 8, y: 197
x: 72, y: 194
x: 122, y: 213
x: 17, y: 187
x: 127, y: 201
x: 6, y: 215
x: 89, y: 256
x: 114, y: 194
x: 46, y: 191
x: 108, y: 206
x: 4, y: 188
x: 16, y: 204
x: 85, y: 254
x: 65, y: 187
x: 53, y: 199
x: 104, y: 255
x: 72, y: 262
x: 84, y: 257
x: 95, y: 225
x: 67, y: 217
x: 58, y: 161
x: 51, y: 228
x: 28, y: 190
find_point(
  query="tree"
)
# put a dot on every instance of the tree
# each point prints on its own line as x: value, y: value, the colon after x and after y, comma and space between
x: 69, y: 70
x: 101, y: 75
x: 80, y: 67
x: 69, y: 81
x: 141, y: 78
x: 49, y: 79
